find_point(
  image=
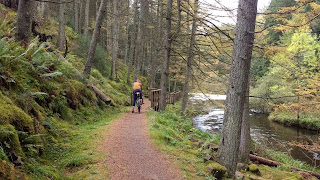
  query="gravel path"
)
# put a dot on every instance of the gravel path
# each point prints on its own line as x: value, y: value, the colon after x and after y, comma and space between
x: 131, y: 154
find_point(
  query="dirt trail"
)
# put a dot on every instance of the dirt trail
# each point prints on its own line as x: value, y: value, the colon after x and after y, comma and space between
x: 131, y: 154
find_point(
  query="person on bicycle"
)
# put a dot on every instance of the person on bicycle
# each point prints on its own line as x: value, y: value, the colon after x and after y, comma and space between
x: 137, y: 87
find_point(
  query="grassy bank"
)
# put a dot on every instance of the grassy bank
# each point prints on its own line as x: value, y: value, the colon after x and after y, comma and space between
x: 77, y: 154
x: 308, y: 121
x: 174, y: 135
x: 171, y: 133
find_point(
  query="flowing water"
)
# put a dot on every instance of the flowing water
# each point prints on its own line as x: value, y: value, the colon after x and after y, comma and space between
x: 273, y: 135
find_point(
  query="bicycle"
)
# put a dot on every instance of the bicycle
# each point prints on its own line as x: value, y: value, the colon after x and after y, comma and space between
x: 138, y: 102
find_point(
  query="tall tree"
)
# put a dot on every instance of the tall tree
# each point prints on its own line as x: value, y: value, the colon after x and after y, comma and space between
x: 189, y: 59
x: 25, y: 15
x: 245, y: 140
x: 141, y: 39
x: 62, y: 24
x: 76, y: 15
x: 114, y: 39
x: 166, y: 59
x: 86, y: 17
x: 238, y: 83
x: 154, y: 48
x: 95, y: 36
x: 133, y: 38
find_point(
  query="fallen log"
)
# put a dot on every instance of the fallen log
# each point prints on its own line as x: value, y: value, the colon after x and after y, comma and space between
x: 271, y: 163
x: 255, y: 158
x: 100, y: 94
x: 264, y: 161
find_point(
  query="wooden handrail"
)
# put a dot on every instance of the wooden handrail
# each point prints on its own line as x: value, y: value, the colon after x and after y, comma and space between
x: 154, y: 97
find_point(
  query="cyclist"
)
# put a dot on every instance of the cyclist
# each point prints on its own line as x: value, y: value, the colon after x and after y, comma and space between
x: 137, y: 87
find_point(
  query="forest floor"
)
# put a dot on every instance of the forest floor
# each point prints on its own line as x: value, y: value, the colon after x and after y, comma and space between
x: 131, y: 153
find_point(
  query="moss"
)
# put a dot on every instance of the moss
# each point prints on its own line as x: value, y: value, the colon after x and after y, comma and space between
x: 73, y: 91
x: 11, y: 114
x: 273, y: 173
x: 3, y: 155
x: 9, y: 137
x: 6, y: 170
x: 253, y: 168
x: 217, y: 170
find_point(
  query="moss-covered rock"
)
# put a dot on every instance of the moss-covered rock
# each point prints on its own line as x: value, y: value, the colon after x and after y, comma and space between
x: 217, y: 170
x: 11, y: 114
x: 254, y: 169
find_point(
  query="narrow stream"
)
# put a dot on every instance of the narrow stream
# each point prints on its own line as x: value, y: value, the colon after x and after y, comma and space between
x: 273, y: 135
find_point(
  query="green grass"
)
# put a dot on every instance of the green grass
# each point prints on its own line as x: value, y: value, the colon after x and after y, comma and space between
x: 305, y: 120
x: 289, y: 161
x: 77, y: 155
x: 171, y: 132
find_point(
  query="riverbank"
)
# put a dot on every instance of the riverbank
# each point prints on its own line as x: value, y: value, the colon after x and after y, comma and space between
x: 307, y: 121
x: 175, y: 135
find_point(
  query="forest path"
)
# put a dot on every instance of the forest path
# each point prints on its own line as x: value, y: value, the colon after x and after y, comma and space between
x: 130, y: 152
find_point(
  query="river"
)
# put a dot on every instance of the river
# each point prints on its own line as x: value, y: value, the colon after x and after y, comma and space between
x: 263, y: 131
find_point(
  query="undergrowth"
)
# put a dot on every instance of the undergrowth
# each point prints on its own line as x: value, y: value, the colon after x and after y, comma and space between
x: 48, y: 116
x: 171, y: 133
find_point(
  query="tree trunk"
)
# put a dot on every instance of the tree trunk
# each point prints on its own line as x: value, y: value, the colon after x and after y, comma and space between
x: 189, y: 60
x: 114, y: 39
x: 86, y: 17
x: 81, y: 17
x: 155, y: 50
x: 131, y: 55
x: 76, y: 16
x: 44, y: 9
x: 25, y: 15
x: 245, y: 141
x: 165, y: 67
x: 126, y: 55
x: 238, y: 82
x: 133, y: 39
x: 179, y: 15
x: 62, y: 24
x: 95, y: 37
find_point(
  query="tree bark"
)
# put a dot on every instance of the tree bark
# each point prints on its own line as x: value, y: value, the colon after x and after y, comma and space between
x: 86, y: 17
x: 238, y: 82
x: 25, y: 15
x: 126, y: 55
x: 245, y: 141
x: 95, y: 36
x: 189, y: 60
x: 44, y: 9
x: 76, y: 16
x: 114, y: 39
x: 62, y: 24
x: 179, y: 14
x: 133, y: 37
x: 155, y: 49
x: 165, y: 67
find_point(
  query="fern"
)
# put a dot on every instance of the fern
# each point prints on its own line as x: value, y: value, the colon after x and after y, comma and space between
x: 51, y: 75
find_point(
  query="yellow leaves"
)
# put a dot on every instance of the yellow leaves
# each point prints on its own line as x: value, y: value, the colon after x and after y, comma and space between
x: 273, y: 50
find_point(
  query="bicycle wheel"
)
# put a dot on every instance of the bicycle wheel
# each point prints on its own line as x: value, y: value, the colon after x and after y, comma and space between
x: 139, y: 107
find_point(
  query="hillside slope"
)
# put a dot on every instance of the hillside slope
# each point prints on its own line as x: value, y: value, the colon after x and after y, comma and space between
x: 44, y: 101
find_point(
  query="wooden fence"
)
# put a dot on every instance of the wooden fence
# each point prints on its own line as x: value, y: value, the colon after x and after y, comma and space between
x: 154, y: 97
